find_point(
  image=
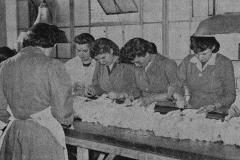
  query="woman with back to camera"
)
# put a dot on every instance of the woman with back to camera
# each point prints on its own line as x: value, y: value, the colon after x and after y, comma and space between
x: 155, y: 75
x: 208, y: 75
x: 111, y: 77
x: 37, y: 90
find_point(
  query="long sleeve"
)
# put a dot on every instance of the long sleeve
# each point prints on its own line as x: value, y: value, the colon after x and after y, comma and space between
x: 4, y: 115
x: 171, y: 74
x: 95, y: 80
x: 61, y: 100
x: 228, y: 84
x: 182, y: 75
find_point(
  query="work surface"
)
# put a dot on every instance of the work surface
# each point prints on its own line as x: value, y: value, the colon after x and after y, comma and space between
x: 145, y: 141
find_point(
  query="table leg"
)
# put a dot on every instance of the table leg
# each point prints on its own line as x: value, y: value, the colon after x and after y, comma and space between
x: 82, y: 153
x: 110, y: 156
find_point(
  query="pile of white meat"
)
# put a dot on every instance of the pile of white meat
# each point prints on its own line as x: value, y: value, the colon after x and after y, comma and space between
x: 184, y: 124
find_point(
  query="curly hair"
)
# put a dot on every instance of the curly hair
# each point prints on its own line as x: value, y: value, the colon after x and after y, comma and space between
x: 42, y: 35
x: 136, y: 47
x: 84, y: 38
x: 103, y: 45
x: 199, y: 44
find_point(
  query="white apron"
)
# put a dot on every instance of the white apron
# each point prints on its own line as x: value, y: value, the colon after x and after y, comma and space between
x: 45, y: 119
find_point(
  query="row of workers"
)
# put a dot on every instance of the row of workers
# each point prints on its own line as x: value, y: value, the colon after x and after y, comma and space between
x: 36, y: 90
x: 101, y: 67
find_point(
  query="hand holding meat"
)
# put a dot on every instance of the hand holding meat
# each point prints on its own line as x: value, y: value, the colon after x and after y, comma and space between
x: 205, y: 109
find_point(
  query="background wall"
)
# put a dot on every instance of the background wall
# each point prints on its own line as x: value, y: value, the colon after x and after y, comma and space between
x: 167, y: 23
x: 3, y: 36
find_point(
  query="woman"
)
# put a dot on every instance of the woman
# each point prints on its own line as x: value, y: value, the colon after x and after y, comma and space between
x: 30, y: 83
x: 155, y: 74
x: 208, y: 75
x: 110, y: 76
x: 81, y: 67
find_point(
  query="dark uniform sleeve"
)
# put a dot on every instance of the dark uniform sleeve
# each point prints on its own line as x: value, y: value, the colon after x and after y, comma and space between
x: 171, y: 75
x: 95, y: 80
x: 61, y: 99
x: 228, y: 84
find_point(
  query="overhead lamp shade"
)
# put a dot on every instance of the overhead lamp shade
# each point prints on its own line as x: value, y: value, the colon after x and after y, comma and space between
x: 219, y: 24
x: 44, y: 15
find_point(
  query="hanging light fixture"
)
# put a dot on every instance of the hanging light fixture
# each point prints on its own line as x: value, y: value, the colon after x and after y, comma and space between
x: 44, y: 15
x: 219, y: 24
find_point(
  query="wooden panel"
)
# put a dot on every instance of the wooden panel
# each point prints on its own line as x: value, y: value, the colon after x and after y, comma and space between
x: 200, y: 8
x: 179, y: 10
x: 23, y: 19
x: 229, y: 44
x: 132, y: 31
x: 67, y: 33
x: 99, y: 16
x: 115, y: 33
x: 178, y: 40
x: 79, y: 30
x: 11, y: 23
x: 3, y: 35
x: 82, y: 153
x: 63, y: 50
x: 81, y: 9
x: 98, y: 32
x: 54, y: 52
x: 194, y: 26
x: 62, y: 13
x: 227, y: 6
x: 153, y: 33
x: 152, y: 10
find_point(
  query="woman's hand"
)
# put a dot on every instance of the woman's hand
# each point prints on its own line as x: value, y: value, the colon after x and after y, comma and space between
x: 180, y: 101
x: 234, y: 111
x: 78, y: 89
x: 90, y: 91
x: 205, y: 109
x: 146, y: 101
x: 112, y: 95
x: 115, y: 95
x: 181, y: 104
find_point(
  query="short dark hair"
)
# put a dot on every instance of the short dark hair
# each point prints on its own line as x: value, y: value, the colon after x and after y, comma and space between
x: 199, y: 44
x: 42, y: 35
x: 103, y: 45
x: 5, y: 53
x: 84, y: 38
x: 137, y: 47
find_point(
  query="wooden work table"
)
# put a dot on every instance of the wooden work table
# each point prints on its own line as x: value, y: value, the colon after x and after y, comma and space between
x: 143, y: 144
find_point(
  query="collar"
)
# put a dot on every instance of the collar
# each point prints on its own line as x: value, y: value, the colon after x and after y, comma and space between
x: 78, y: 60
x: 150, y: 62
x: 30, y: 49
x: 211, y: 61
